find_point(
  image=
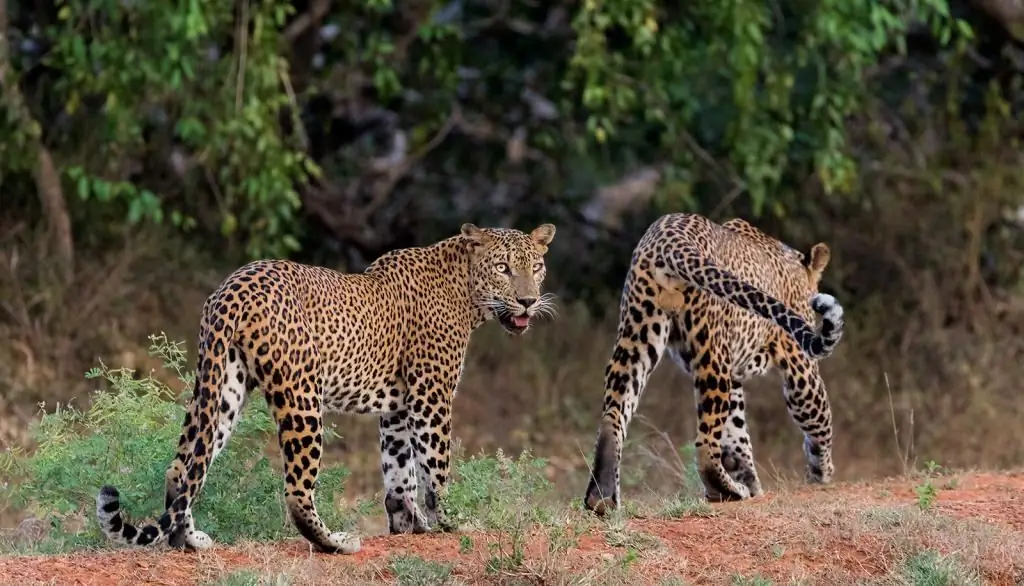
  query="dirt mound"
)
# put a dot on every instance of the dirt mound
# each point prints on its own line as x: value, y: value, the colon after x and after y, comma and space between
x: 967, y: 528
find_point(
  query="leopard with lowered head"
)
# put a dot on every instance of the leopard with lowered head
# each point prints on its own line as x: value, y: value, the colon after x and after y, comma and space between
x: 390, y: 341
x: 728, y: 302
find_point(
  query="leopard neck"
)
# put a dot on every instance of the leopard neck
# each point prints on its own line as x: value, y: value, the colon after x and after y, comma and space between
x: 456, y: 265
x: 443, y: 267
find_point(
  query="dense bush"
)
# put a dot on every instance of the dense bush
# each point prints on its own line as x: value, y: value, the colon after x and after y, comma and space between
x: 126, y: 437
x: 274, y: 125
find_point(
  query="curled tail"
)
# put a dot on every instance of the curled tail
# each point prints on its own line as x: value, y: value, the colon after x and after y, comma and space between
x: 688, y: 264
x: 196, y: 455
x: 117, y: 528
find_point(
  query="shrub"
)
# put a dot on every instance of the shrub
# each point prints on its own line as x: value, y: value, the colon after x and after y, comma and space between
x: 488, y: 492
x: 127, y: 438
x: 503, y: 495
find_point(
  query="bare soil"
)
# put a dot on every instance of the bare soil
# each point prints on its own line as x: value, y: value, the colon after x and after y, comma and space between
x: 841, y: 534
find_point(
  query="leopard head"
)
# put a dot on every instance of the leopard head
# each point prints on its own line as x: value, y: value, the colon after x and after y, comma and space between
x: 507, y: 271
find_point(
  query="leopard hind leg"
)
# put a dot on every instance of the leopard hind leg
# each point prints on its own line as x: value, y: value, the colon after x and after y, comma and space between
x: 642, y: 337
x: 288, y: 364
x: 235, y: 389
x: 737, y: 448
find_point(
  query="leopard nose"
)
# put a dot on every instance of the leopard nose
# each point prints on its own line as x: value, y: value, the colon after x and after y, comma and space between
x: 527, y: 301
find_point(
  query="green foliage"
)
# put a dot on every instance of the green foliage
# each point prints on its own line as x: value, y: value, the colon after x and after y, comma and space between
x: 224, y: 107
x: 764, y: 85
x: 215, y: 117
x: 127, y: 438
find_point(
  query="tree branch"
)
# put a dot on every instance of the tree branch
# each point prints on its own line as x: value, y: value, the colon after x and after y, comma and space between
x: 335, y: 205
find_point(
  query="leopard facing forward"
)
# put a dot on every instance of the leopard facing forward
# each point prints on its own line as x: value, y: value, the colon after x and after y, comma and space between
x: 728, y: 302
x: 390, y: 341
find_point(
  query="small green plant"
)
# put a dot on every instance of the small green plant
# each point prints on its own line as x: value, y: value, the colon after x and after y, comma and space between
x: 929, y: 568
x: 628, y: 559
x: 563, y: 537
x: 506, y: 554
x: 501, y: 494
x: 485, y: 490
x: 618, y: 534
x: 411, y: 570
x: 465, y: 544
x: 926, y: 494
x: 926, y: 491
x: 127, y: 438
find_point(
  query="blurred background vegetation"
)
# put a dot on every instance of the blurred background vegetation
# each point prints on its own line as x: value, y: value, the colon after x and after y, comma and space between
x: 148, y: 148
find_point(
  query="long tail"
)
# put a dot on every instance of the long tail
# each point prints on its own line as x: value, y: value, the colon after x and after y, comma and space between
x: 202, y: 414
x: 689, y: 264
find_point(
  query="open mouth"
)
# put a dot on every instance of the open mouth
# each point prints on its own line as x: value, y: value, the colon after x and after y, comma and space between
x: 515, y: 324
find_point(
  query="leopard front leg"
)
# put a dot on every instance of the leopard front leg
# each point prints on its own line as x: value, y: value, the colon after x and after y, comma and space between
x: 398, y: 464
x: 430, y: 420
x: 713, y: 391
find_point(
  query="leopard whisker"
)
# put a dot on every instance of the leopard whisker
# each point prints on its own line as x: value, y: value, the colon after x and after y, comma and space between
x: 546, y: 306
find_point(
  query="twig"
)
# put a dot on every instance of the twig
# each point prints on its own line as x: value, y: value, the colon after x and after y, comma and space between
x: 351, y: 223
x: 243, y: 47
x: 736, y: 183
x: 316, y: 11
x: 895, y: 428
x: 680, y: 466
x: 300, y: 129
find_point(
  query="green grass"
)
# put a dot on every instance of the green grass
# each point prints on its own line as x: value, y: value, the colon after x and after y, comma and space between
x: 929, y: 568
x: 411, y: 570
x: 751, y: 581
x: 244, y: 578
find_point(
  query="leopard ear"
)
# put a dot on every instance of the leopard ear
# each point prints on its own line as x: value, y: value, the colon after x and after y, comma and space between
x: 543, y: 235
x: 820, y: 256
x: 475, y: 237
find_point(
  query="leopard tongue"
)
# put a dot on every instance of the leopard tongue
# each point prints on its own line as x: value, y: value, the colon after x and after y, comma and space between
x: 521, y: 321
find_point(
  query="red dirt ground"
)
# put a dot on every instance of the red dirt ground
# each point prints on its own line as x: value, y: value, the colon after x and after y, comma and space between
x: 841, y: 534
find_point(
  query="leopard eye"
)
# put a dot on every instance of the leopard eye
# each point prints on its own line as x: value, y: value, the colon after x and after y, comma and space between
x: 538, y: 267
x: 502, y: 268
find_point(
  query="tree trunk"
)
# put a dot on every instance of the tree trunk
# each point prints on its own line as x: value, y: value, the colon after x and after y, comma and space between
x: 47, y: 178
